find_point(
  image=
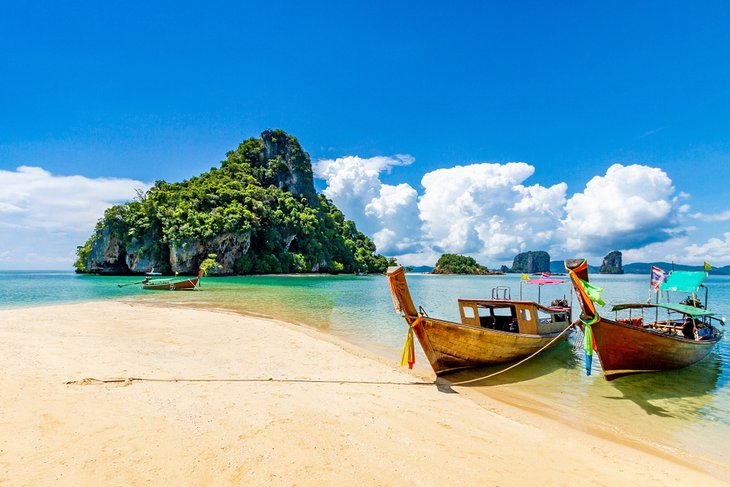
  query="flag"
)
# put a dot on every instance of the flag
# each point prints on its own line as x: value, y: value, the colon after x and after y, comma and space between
x: 593, y: 292
x: 545, y: 275
x: 658, y: 276
x: 707, y: 266
x: 525, y: 277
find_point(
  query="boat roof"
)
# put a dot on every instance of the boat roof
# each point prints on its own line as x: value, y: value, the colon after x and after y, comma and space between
x: 506, y: 303
x: 680, y: 308
x: 684, y: 281
x: 544, y: 281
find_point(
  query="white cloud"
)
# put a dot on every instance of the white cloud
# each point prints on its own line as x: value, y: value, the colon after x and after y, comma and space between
x: 384, y: 211
x: 485, y: 210
x: 716, y: 217
x: 715, y: 250
x: 47, y: 216
x: 629, y: 207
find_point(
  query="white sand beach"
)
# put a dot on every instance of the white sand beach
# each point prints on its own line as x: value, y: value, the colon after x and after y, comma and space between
x: 330, y: 415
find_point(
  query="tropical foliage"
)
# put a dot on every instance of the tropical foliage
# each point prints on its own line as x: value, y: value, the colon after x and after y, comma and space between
x: 458, y: 264
x: 268, y: 197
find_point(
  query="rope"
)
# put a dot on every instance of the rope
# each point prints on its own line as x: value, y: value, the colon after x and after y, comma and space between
x: 579, y: 339
x: 129, y: 380
x: 515, y: 364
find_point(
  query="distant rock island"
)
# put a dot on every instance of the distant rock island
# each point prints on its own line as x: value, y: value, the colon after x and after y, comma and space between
x: 530, y: 262
x: 257, y: 213
x: 460, y: 264
x: 611, y: 264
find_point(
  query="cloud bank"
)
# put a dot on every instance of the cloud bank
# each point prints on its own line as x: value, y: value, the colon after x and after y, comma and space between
x: 43, y: 217
x: 492, y: 212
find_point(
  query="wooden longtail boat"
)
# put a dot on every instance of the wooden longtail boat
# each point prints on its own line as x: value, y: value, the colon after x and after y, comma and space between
x: 632, y: 345
x: 171, y: 284
x: 491, y: 331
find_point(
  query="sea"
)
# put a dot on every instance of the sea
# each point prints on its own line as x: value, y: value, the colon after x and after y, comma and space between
x: 683, y: 413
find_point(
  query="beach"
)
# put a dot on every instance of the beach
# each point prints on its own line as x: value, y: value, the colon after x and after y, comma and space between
x: 131, y: 393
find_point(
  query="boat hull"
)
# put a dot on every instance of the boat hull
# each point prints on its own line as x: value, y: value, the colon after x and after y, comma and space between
x: 452, y: 346
x: 172, y: 285
x: 624, y: 349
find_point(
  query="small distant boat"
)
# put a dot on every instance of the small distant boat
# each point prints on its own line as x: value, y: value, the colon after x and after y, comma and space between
x: 653, y: 337
x: 172, y: 284
x: 492, y: 331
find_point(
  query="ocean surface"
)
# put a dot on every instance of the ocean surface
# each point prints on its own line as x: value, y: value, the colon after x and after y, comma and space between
x: 684, y: 410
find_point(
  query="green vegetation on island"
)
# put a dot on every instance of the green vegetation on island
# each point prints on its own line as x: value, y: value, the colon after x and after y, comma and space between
x: 258, y: 213
x: 460, y: 264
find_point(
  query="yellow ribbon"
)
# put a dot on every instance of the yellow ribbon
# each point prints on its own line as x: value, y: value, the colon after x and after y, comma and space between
x: 409, y: 354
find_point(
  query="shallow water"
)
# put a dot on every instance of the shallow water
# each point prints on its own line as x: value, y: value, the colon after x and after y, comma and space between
x: 686, y: 409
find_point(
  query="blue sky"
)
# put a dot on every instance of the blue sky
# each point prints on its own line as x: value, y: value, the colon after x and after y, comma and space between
x: 136, y: 92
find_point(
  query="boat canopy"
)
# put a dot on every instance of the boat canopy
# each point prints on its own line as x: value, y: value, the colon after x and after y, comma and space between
x: 544, y: 281
x: 680, y: 308
x: 683, y: 281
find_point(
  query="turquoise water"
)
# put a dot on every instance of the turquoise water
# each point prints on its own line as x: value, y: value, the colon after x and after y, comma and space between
x: 687, y: 409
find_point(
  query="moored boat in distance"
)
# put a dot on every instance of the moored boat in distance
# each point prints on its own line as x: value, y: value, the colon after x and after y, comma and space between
x: 492, y: 331
x: 653, y: 337
x: 171, y: 284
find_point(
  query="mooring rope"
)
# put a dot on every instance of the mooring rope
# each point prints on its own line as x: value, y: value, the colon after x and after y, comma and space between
x: 129, y: 380
x: 515, y: 364
x: 578, y: 345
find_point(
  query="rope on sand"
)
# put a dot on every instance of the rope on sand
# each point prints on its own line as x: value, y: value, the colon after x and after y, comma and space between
x: 515, y: 364
x: 125, y: 381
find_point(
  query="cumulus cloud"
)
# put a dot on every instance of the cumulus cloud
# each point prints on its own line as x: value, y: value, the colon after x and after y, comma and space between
x: 386, y: 212
x: 45, y: 216
x: 484, y: 209
x: 489, y: 211
x: 33, y: 197
x: 479, y: 209
x: 714, y: 250
x: 630, y: 207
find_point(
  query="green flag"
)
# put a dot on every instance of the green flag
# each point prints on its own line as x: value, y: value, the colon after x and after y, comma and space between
x: 593, y: 292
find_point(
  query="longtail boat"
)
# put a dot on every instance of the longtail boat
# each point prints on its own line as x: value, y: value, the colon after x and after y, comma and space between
x: 653, y: 337
x: 172, y: 284
x: 491, y: 331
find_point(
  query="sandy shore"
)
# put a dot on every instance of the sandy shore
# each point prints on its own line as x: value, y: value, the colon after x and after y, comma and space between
x: 332, y: 414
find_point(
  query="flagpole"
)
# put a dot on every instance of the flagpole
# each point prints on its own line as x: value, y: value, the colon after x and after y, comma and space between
x: 651, y: 282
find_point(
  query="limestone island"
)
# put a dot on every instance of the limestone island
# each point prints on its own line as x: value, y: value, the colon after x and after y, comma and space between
x: 461, y: 264
x: 258, y: 213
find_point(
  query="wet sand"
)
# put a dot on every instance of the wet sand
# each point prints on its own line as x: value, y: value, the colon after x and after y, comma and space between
x: 118, y: 393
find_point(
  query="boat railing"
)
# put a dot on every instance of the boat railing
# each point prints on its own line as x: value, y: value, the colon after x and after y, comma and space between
x: 501, y: 292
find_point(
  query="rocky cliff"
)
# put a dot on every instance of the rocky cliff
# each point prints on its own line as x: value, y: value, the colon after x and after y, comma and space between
x: 612, y: 264
x: 258, y: 213
x: 460, y: 264
x: 530, y: 262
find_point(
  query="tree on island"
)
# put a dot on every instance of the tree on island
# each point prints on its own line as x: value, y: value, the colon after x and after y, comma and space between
x: 459, y: 264
x: 258, y: 213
